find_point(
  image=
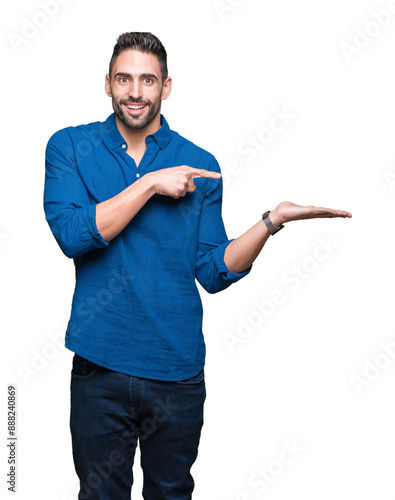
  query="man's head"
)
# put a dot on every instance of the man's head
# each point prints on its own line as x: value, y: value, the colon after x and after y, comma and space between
x: 143, y: 42
x: 137, y: 80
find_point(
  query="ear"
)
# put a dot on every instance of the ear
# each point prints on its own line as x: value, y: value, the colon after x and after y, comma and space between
x: 166, y: 88
x: 107, y: 86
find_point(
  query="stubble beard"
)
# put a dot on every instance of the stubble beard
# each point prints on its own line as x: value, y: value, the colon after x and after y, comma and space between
x: 139, y: 122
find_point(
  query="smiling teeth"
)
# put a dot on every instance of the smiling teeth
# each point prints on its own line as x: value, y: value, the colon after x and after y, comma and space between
x: 135, y: 107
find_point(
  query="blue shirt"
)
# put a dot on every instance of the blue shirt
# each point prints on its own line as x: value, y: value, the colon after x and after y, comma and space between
x: 136, y: 308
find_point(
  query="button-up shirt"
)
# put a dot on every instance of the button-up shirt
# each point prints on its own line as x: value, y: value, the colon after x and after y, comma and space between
x: 136, y: 307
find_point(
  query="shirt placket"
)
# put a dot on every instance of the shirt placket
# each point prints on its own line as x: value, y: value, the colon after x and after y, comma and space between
x: 148, y: 157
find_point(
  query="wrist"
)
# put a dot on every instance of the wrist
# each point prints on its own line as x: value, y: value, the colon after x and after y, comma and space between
x: 148, y: 183
x: 276, y: 218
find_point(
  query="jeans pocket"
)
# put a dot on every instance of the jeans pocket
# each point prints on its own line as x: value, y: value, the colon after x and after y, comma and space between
x: 197, y: 379
x: 82, y: 368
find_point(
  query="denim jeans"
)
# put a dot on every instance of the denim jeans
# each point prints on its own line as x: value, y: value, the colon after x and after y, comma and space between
x: 112, y: 412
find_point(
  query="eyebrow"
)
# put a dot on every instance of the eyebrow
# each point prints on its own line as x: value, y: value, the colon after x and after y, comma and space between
x: 143, y: 75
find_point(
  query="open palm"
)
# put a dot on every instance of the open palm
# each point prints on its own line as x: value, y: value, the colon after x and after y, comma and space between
x: 287, y: 211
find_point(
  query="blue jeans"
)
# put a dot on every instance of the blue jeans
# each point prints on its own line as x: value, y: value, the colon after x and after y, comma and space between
x: 111, y: 412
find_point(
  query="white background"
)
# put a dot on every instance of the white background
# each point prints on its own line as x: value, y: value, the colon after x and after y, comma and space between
x: 289, y: 378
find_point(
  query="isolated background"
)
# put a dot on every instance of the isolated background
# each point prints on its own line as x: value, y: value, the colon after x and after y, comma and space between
x: 290, y: 378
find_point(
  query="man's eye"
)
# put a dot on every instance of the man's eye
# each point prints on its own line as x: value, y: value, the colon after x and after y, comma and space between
x: 148, y: 80
x: 123, y: 80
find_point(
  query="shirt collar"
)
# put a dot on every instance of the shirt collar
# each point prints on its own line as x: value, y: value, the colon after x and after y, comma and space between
x: 161, y: 136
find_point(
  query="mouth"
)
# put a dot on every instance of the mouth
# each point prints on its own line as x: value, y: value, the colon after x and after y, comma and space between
x: 134, y: 109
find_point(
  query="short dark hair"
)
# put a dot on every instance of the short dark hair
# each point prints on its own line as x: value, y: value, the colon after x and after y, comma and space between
x: 144, y: 42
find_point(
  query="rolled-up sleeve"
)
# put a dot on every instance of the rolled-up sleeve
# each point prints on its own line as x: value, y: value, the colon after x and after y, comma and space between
x: 68, y: 209
x: 211, y: 270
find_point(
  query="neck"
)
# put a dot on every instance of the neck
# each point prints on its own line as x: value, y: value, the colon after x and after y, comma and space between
x: 136, y: 137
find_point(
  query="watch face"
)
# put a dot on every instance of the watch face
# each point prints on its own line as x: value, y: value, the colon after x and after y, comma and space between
x: 265, y: 214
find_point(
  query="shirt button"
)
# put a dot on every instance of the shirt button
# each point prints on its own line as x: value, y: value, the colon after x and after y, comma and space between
x: 137, y: 175
x: 124, y: 146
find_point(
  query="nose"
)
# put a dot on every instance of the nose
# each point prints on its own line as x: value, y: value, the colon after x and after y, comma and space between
x: 135, y: 90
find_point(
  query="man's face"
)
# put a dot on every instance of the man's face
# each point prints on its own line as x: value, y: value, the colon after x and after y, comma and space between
x: 136, y: 88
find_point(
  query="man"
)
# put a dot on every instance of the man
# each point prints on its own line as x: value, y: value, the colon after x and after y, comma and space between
x: 138, y: 208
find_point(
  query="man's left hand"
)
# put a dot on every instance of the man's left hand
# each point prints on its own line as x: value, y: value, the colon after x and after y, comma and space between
x: 287, y: 212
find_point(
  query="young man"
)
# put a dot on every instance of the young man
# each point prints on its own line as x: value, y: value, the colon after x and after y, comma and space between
x: 138, y: 208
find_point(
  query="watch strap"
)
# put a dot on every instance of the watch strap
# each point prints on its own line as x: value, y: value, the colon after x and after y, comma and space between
x: 269, y: 224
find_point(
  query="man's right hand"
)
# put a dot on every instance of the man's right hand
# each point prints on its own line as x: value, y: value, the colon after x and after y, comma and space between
x: 114, y: 214
x: 178, y: 181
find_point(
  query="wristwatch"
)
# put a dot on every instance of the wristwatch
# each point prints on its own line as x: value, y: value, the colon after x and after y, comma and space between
x: 269, y: 224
